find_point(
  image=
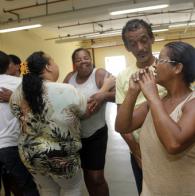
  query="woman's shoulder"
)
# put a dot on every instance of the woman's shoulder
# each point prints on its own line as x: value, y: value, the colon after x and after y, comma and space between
x: 189, y: 103
x: 100, y: 72
x: 68, y: 76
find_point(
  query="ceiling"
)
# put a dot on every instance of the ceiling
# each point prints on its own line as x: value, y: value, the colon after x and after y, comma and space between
x: 78, y: 19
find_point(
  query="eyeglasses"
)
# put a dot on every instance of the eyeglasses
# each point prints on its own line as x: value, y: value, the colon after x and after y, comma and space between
x: 160, y: 61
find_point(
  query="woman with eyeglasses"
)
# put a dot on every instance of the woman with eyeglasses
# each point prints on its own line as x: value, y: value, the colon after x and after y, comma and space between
x: 167, y: 138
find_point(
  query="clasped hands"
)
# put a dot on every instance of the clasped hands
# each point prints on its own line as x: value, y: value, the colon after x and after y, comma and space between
x: 144, y: 80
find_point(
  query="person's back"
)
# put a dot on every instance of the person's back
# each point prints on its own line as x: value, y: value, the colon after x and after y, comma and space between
x: 20, y: 180
x: 49, y: 115
x: 9, y: 126
x: 53, y: 134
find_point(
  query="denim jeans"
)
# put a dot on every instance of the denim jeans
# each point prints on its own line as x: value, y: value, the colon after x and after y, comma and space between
x: 20, y: 179
x: 137, y: 171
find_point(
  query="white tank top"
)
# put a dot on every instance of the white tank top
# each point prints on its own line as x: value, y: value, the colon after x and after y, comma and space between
x: 90, y: 125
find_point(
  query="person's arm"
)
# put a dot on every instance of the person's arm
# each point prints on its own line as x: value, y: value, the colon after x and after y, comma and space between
x: 128, y: 118
x: 128, y: 137
x: 175, y: 136
x: 105, y: 92
x: 5, y: 95
x: 108, y: 84
x: 133, y: 144
x: 101, y: 75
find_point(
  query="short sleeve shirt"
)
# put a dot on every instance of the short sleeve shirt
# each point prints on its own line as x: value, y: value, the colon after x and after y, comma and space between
x: 49, y: 142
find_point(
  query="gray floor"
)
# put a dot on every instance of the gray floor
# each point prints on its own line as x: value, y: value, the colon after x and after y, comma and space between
x: 118, y: 169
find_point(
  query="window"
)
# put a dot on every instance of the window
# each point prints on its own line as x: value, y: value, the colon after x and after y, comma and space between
x: 115, y: 64
x: 156, y: 54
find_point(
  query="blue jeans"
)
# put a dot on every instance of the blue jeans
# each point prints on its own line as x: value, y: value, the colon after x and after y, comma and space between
x: 20, y: 179
x: 137, y: 171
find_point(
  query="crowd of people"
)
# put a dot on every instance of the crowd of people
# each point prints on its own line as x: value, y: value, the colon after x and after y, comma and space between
x: 53, y: 135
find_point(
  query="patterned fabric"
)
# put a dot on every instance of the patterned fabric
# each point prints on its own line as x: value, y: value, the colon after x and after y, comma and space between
x: 49, y: 143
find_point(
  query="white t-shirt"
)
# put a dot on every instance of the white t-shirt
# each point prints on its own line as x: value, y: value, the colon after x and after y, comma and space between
x: 9, y: 126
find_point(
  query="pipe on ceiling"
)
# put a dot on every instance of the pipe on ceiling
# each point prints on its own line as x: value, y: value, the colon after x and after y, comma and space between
x: 120, y: 18
x: 102, y: 32
x: 57, y: 13
x: 32, y: 6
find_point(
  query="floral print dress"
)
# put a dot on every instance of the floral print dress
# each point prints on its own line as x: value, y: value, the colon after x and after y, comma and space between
x: 49, y: 143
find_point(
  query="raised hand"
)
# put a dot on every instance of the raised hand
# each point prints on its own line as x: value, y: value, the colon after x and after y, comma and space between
x: 148, y: 85
x: 134, y: 85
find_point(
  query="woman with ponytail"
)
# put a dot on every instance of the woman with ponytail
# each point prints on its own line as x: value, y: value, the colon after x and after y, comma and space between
x: 49, y: 115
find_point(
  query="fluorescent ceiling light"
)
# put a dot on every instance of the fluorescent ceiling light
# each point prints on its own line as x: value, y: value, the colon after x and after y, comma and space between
x: 104, y: 44
x: 191, y: 24
x: 103, y: 34
x: 178, y: 25
x: 141, y: 7
x: 20, y: 28
x: 159, y: 39
x: 159, y: 30
x: 182, y: 24
x: 88, y: 36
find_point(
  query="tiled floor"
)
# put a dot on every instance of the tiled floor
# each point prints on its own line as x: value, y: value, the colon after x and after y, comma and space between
x: 118, y: 169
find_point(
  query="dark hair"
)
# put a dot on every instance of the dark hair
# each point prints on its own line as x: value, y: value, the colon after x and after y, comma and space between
x: 15, y: 59
x: 32, y: 83
x: 133, y: 25
x: 78, y: 50
x: 184, y: 53
x: 4, y: 62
